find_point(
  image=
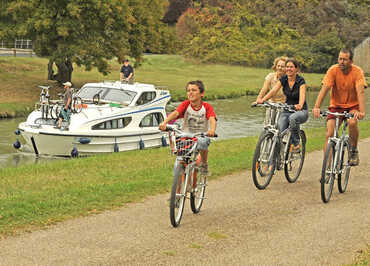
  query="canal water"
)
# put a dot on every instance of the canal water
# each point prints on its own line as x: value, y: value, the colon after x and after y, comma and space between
x: 236, y: 118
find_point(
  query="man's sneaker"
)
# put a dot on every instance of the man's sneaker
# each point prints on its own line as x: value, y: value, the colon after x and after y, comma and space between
x: 203, y: 168
x: 354, y: 160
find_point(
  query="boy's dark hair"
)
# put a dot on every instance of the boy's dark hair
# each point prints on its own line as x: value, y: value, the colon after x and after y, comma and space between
x: 198, y: 83
x: 347, y: 51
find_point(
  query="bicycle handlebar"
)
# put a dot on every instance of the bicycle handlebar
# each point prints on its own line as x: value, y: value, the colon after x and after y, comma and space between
x: 284, y: 106
x: 345, y: 114
x: 191, y: 135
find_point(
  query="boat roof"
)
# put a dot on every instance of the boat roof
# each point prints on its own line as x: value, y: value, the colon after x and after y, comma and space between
x: 137, y: 87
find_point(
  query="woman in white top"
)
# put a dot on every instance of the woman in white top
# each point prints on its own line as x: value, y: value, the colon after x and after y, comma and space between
x: 270, y: 81
x: 272, y: 78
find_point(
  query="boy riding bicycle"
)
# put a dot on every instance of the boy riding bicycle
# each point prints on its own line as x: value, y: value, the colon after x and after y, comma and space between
x: 196, y: 114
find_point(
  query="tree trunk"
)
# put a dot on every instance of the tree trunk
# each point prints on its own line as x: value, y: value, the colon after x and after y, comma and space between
x: 65, y: 69
x: 51, y: 75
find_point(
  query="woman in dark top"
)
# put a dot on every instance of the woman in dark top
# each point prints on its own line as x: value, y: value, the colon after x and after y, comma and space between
x: 294, y: 88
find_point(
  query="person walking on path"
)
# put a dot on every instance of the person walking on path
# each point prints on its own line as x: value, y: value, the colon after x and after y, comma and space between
x: 346, y: 83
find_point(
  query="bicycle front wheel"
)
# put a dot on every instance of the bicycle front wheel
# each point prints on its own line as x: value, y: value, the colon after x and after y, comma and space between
x: 345, y: 168
x: 328, y: 173
x: 294, y: 160
x: 263, y: 165
x: 178, y: 195
x: 197, y: 194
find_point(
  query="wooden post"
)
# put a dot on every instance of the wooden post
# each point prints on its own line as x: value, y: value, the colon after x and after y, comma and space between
x: 15, y: 52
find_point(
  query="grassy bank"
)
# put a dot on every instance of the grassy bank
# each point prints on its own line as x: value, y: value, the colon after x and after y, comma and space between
x: 20, y: 77
x: 11, y: 110
x: 35, y: 196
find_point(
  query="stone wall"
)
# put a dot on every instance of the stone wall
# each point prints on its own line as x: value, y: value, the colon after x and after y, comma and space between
x: 362, y: 55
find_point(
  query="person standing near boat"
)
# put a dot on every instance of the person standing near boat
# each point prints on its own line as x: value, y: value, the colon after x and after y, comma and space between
x: 65, y: 114
x: 127, y: 72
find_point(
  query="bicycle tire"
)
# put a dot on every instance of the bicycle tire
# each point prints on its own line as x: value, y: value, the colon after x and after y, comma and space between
x: 294, y: 161
x: 262, y: 170
x: 77, y: 105
x: 327, y: 175
x: 345, y: 168
x: 197, y: 195
x: 55, y: 111
x: 178, y: 195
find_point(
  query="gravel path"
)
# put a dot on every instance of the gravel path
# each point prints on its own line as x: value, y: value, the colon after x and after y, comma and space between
x: 286, y: 224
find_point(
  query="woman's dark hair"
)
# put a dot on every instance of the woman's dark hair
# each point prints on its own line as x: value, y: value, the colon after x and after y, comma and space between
x: 198, y: 83
x: 295, y: 63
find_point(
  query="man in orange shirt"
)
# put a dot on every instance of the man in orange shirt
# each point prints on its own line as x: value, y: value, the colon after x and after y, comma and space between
x: 347, y: 83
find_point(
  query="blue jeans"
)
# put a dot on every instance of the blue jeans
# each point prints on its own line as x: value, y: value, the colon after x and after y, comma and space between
x: 293, y: 120
x: 203, y: 143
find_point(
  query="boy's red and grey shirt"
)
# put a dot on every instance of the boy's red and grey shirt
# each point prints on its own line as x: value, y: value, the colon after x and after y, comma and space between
x: 195, y: 120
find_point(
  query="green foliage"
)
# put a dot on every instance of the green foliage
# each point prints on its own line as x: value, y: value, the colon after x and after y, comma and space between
x: 89, y: 32
x: 253, y: 33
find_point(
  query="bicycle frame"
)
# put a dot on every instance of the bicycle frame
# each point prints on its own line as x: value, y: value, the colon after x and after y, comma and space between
x: 278, y: 136
x: 339, y: 141
x: 188, y: 161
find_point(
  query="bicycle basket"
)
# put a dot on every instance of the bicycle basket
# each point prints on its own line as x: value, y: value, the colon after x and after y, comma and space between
x: 184, y: 146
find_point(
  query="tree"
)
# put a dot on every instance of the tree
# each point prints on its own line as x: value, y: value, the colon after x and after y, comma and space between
x: 175, y: 10
x: 85, y: 32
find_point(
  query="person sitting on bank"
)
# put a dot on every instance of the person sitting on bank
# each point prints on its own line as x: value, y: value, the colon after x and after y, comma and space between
x: 127, y: 72
x: 65, y: 114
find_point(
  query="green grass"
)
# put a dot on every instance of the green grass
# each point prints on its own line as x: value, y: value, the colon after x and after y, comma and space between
x: 20, y: 77
x: 363, y: 259
x: 9, y: 110
x: 40, y: 195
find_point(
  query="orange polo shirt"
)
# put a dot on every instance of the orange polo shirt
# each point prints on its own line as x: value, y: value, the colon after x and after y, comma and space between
x: 343, y: 87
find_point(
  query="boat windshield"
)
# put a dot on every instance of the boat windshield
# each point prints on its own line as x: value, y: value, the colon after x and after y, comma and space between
x: 107, y: 94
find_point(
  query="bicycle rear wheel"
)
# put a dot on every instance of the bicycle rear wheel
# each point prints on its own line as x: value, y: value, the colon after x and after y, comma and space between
x: 263, y: 167
x: 294, y: 160
x: 178, y: 194
x: 327, y: 173
x: 345, y: 168
x: 197, y: 194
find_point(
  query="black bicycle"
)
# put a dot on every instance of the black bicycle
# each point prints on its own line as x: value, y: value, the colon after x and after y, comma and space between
x: 274, y: 149
x: 336, y: 159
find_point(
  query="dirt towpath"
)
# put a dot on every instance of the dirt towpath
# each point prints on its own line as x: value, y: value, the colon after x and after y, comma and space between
x: 286, y: 224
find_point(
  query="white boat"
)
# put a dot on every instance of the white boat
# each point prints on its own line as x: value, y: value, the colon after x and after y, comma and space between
x: 106, y: 117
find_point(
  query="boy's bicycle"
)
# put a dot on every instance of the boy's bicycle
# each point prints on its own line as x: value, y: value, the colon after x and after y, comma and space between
x: 274, y: 149
x: 336, y: 158
x: 186, y: 174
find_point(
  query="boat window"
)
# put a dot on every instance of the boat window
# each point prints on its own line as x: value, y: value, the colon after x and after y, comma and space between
x: 107, y: 94
x: 89, y: 92
x: 152, y: 120
x: 146, y: 97
x: 113, y: 124
x: 121, y: 96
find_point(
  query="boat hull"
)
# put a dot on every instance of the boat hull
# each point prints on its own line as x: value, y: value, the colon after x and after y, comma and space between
x: 62, y: 143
